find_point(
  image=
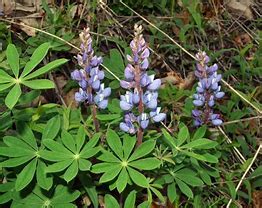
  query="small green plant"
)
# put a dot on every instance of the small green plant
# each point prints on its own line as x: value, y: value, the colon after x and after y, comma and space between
x: 27, y: 76
x: 122, y: 165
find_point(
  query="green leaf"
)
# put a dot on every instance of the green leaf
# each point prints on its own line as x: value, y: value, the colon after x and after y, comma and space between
x: 130, y: 200
x: 145, y: 204
x: 59, y: 166
x: 92, y: 142
x: 87, y: 153
x: 13, y: 59
x: 80, y: 138
x: 171, y: 192
x: 27, y: 135
x: 90, y: 188
x: 143, y: 150
x: 200, y: 133
x: 71, y: 171
x: 84, y: 165
x: 56, y: 147
x: 52, y: 128
x: 114, y: 142
x: 4, y: 77
x: 48, y: 67
x: 15, y: 151
x: 102, y: 167
x: 39, y: 84
x: 169, y: 139
x: 68, y: 141
x: 184, y: 188
x: 146, y: 164
x: 110, y: 174
x: 13, y: 141
x: 108, y: 157
x: 138, y: 178
x: 189, y: 179
x: 54, y: 156
x: 122, y: 180
x: 115, y: 64
x: 43, y: 180
x: 128, y: 145
x: 13, y: 96
x: 26, y: 175
x: 111, y: 202
x: 200, y: 144
x: 108, y: 117
x: 13, y: 162
x: 183, y: 134
x: 63, y: 195
x: 232, y: 189
x: 36, y: 58
x: 6, y: 86
x: 158, y: 194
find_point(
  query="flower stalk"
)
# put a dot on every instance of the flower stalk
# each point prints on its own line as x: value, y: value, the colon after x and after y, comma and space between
x: 142, y: 90
x: 89, y: 77
x: 208, y: 90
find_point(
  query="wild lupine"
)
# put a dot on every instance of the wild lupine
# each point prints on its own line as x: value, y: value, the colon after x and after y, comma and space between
x: 89, y: 77
x: 142, y: 89
x: 208, y: 90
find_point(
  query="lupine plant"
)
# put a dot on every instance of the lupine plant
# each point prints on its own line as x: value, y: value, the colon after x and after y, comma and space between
x: 208, y: 91
x: 142, y: 90
x: 56, y: 156
x: 89, y: 77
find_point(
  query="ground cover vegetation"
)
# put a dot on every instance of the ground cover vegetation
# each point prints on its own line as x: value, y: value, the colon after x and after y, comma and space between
x: 130, y: 103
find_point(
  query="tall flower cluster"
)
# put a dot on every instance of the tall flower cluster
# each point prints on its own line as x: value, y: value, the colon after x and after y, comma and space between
x: 140, y: 101
x: 208, y: 90
x: 89, y: 77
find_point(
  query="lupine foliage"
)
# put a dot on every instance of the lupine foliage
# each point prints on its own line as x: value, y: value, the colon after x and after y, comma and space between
x: 118, y: 147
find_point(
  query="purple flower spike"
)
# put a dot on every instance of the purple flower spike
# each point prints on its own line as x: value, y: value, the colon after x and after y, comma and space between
x: 142, y: 88
x: 208, y: 91
x: 89, y: 77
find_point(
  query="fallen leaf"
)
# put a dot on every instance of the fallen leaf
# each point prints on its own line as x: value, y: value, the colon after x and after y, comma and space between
x: 242, y: 40
x: 257, y: 199
x: 241, y: 7
x: 7, y: 6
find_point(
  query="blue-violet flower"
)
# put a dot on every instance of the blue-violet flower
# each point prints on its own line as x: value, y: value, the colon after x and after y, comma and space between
x: 89, y: 77
x: 208, y: 90
x: 142, y: 89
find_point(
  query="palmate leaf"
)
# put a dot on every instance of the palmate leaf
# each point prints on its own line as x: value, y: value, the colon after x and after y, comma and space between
x: 23, y: 150
x: 61, y: 196
x: 36, y: 58
x: 118, y: 165
x: 70, y: 156
x: 48, y: 67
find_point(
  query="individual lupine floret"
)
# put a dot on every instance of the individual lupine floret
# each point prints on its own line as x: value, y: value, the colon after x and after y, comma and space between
x: 89, y: 77
x: 208, y: 90
x: 142, y: 89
